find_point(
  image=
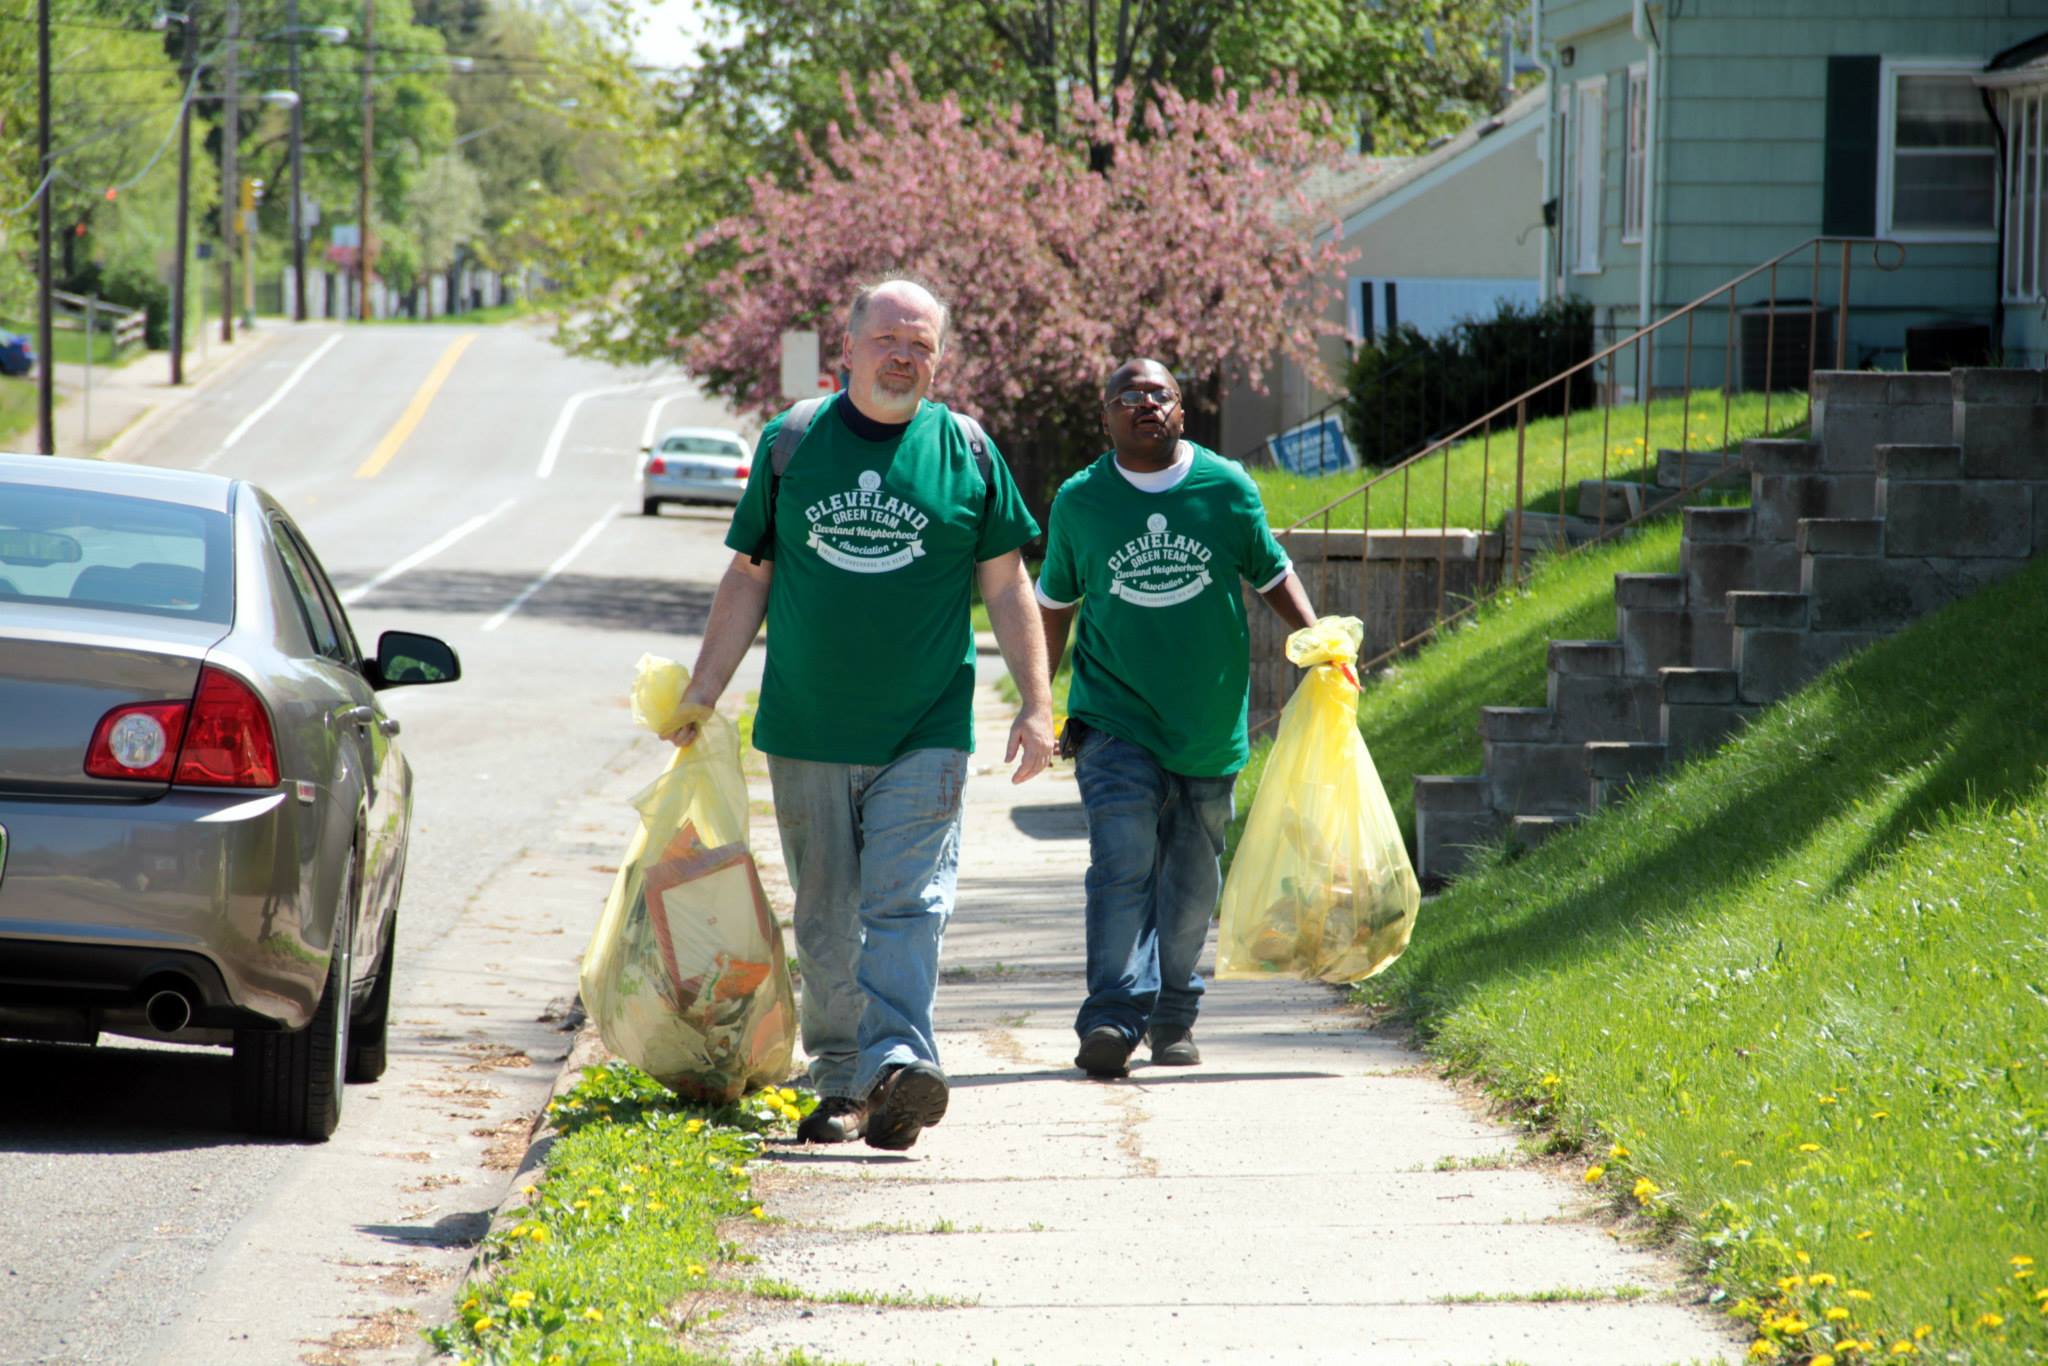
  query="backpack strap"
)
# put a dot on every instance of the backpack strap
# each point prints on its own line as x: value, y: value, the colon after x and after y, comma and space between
x: 795, y: 423
x: 977, y: 441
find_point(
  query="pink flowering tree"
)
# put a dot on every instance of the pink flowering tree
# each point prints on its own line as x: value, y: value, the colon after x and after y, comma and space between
x: 1192, y: 245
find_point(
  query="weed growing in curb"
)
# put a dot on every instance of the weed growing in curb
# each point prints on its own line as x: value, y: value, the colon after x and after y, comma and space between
x: 621, y: 1231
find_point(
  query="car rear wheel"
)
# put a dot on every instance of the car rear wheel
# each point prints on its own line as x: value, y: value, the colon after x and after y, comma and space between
x: 288, y: 1083
x: 366, y: 1054
x: 650, y: 507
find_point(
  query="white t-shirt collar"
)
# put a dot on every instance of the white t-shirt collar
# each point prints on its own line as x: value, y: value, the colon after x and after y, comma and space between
x: 1159, y: 481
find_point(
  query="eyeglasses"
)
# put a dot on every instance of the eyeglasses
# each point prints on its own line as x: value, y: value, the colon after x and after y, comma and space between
x: 1163, y: 399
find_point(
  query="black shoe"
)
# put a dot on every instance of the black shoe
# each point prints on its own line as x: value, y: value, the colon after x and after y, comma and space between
x: 1174, y: 1046
x: 907, y: 1100
x: 1105, y: 1052
x: 838, y: 1119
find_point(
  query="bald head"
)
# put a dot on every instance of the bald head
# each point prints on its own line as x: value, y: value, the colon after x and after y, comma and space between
x: 901, y: 295
x: 1151, y: 371
x: 1145, y: 430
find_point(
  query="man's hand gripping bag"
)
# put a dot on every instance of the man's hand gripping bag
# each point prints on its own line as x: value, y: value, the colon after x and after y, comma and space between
x: 685, y: 975
x: 1321, y: 886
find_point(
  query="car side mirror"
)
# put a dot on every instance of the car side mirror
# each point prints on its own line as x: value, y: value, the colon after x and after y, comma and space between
x: 406, y: 657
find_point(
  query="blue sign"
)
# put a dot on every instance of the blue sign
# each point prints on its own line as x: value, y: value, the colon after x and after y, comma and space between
x: 1314, y: 448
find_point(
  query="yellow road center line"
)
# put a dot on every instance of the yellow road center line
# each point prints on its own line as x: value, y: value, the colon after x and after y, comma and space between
x: 414, y: 410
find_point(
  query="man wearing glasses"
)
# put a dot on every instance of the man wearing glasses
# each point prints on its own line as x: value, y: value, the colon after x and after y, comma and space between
x: 1148, y: 545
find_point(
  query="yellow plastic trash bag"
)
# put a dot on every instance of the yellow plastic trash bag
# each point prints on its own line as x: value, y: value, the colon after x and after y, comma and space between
x: 685, y: 975
x: 1321, y: 887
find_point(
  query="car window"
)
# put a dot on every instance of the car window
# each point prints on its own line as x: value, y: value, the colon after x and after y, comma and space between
x: 702, y: 445
x: 352, y: 652
x: 312, y: 609
x: 115, y: 553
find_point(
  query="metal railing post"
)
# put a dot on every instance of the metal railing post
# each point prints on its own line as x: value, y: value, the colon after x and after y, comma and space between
x: 1521, y: 435
x: 1841, y: 319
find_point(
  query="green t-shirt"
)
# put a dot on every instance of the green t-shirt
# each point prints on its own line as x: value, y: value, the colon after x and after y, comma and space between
x: 1162, y: 657
x: 870, y: 643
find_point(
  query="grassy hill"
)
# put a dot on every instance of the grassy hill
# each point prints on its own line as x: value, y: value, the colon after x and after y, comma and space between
x: 1793, y: 1001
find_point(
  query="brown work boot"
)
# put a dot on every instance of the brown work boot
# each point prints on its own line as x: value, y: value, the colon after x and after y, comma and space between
x: 908, y: 1099
x: 1105, y: 1052
x: 1174, y: 1046
x: 838, y: 1119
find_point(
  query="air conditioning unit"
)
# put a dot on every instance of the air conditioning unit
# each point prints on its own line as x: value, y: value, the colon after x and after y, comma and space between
x: 1946, y: 346
x: 1782, y: 343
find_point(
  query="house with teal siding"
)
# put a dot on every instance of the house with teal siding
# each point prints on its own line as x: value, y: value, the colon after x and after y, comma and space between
x: 1688, y: 141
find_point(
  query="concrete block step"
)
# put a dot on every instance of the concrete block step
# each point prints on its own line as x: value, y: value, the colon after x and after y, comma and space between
x: 1596, y: 707
x: 1854, y: 418
x: 1652, y: 638
x: 1770, y: 664
x: 1615, y: 500
x: 1962, y: 519
x: 1460, y: 794
x: 1623, y: 760
x: 1781, y: 455
x: 1771, y: 611
x: 1536, y: 779
x: 1447, y: 841
x: 1717, y: 526
x: 1657, y: 592
x: 1841, y: 535
x: 1697, y: 687
x: 1545, y: 529
x: 2001, y: 422
x: 1585, y: 657
x: 1861, y: 593
x: 1526, y: 832
x: 1690, y: 728
x: 1518, y: 725
x: 1690, y: 469
x: 1778, y: 502
x: 1896, y: 460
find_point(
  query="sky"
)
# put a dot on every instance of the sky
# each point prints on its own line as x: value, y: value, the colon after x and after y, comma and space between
x: 671, y: 30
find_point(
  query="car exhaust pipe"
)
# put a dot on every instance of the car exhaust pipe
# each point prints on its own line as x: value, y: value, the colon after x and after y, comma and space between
x: 168, y: 1011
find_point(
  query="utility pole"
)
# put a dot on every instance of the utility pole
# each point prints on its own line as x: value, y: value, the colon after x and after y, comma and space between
x: 298, y: 194
x: 363, y: 190
x: 186, y: 91
x: 230, y: 181
x: 46, y: 361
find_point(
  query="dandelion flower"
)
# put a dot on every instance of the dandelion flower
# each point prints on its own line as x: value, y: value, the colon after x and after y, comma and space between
x: 1822, y: 1278
x: 1744, y: 1162
x: 1822, y: 1360
x: 1645, y: 1190
x: 1836, y: 1314
x: 695, y: 1126
x: 1551, y: 1079
x: 1617, y: 1151
x: 1763, y: 1349
x: 1991, y: 1320
x: 758, y: 1212
x: 1921, y: 1331
x: 593, y: 1314
x: 1802, y: 1258
x: 2021, y: 1260
x: 1865, y: 1235
x: 1809, y: 1147
x: 481, y: 1324
x: 788, y: 1094
x: 656, y: 1205
x: 1880, y: 1114
x: 1827, y: 1100
x: 1594, y: 1173
x: 520, y: 1299
x: 1792, y: 1325
x: 537, y: 1234
x: 1903, y: 1348
x: 1857, y: 1294
x: 693, y: 1269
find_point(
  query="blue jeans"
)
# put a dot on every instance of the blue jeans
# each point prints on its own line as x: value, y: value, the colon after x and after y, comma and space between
x: 873, y: 853
x: 1155, y: 841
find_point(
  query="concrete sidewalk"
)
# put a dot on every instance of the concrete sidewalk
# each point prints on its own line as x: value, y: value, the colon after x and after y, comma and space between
x: 1311, y: 1193
x: 126, y: 400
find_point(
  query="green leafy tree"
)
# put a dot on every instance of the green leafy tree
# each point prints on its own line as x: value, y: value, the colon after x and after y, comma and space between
x: 447, y: 211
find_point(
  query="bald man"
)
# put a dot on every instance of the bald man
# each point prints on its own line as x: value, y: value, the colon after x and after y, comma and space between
x: 861, y: 553
x: 1150, y: 544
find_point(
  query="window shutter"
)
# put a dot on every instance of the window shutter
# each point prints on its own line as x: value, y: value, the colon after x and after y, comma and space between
x: 1848, y: 197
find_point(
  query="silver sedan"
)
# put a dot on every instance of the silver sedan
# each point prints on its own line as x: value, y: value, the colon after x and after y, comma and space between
x: 693, y: 465
x: 203, y: 806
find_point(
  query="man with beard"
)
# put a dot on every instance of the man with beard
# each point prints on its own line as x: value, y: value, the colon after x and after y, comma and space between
x: 858, y: 540
x: 1149, y: 542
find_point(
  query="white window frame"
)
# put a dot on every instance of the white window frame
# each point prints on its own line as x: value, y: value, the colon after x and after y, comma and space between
x: 2023, y: 274
x: 1588, y: 206
x: 1634, y: 161
x: 1887, y: 115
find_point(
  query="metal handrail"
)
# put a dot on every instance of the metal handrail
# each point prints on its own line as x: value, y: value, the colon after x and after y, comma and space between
x: 1643, y: 338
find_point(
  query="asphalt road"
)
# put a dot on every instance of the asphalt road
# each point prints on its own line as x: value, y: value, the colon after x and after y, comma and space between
x: 477, y: 485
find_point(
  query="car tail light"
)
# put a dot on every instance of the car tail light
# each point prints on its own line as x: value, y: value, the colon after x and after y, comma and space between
x: 137, y: 742
x: 657, y: 466
x: 742, y: 472
x: 228, y: 742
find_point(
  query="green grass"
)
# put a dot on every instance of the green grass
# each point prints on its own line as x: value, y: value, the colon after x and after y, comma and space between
x: 475, y: 317
x: 1422, y: 714
x: 1558, y: 453
x: 70, y: 346
x: 615, y: 1249
x: 17, y: 407
x: 1793, y: 1000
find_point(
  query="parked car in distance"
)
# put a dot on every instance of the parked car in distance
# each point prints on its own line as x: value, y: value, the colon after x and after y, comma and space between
x: 17, y: 354
x: 204, y: 810
x: 694, y: 465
